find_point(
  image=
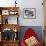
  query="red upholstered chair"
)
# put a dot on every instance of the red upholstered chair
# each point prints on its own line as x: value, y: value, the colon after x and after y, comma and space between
x: 29, y: 33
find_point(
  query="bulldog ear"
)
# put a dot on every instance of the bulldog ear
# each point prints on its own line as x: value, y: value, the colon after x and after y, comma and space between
x: 28, y: 42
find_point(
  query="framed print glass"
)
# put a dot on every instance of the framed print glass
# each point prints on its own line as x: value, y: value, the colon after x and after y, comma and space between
x: 5, y: 12
x: 29, y: 13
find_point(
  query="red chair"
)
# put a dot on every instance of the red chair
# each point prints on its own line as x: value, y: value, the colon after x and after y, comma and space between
x: 29, y: 33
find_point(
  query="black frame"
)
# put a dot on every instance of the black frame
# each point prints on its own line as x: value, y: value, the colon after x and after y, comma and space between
x: 29, y: 10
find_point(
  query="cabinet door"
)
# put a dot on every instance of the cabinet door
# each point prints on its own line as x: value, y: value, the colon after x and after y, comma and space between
x: 10, y: 44
x: 0, y: 19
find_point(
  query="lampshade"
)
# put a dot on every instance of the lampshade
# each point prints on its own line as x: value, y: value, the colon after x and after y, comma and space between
x: 15, y: 30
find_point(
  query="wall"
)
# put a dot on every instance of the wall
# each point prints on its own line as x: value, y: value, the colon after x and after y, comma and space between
x: 7, y: 3
x: 39, y: 13
x: 27, y: 4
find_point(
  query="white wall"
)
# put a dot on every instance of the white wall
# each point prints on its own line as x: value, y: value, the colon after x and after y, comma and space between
x: 27, y: 4
x: 39, y: 13
x: 7, y: 3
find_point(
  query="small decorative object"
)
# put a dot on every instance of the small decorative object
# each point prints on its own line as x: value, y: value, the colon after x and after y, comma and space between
x: 13, y: 12
x: 29, y: 13
x: 5, y: 12
x: 6, y: 21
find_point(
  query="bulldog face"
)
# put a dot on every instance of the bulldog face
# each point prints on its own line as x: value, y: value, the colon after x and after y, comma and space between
x: 31, y: 41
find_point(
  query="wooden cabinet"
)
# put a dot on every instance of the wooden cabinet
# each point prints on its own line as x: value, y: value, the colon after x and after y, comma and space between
x: 9, y: 23
x: 44, y: 4
x: 44, y: 12
x: 10, y: 43
x: 9, y: 15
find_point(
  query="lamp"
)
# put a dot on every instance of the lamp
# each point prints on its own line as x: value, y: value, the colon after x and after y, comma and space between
x: 15, y: 37
x: 15, y: 30
x: 15, y: 3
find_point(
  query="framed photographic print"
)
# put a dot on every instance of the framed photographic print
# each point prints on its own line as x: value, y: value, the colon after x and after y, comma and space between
x: 5, y: 12
x: 29, y: 13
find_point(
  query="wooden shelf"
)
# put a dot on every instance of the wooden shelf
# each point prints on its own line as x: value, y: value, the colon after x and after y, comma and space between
x: 9, y: 9
x: 11, y: 26
x: 9, y: 43
x: 4, y: 24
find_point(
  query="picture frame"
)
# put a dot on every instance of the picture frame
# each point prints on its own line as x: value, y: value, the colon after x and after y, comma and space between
x: 29, y: 13
x: 5, y: 12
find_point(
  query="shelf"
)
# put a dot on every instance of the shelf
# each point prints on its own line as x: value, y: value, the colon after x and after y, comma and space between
x: 7, y: 16
x: 10, y: 26
x: 11, y: 41
x: 9, y: 10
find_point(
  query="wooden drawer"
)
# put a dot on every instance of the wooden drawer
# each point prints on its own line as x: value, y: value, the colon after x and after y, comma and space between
x: 45, y: 36
x: 9, y: 43
x: 0, y: 43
